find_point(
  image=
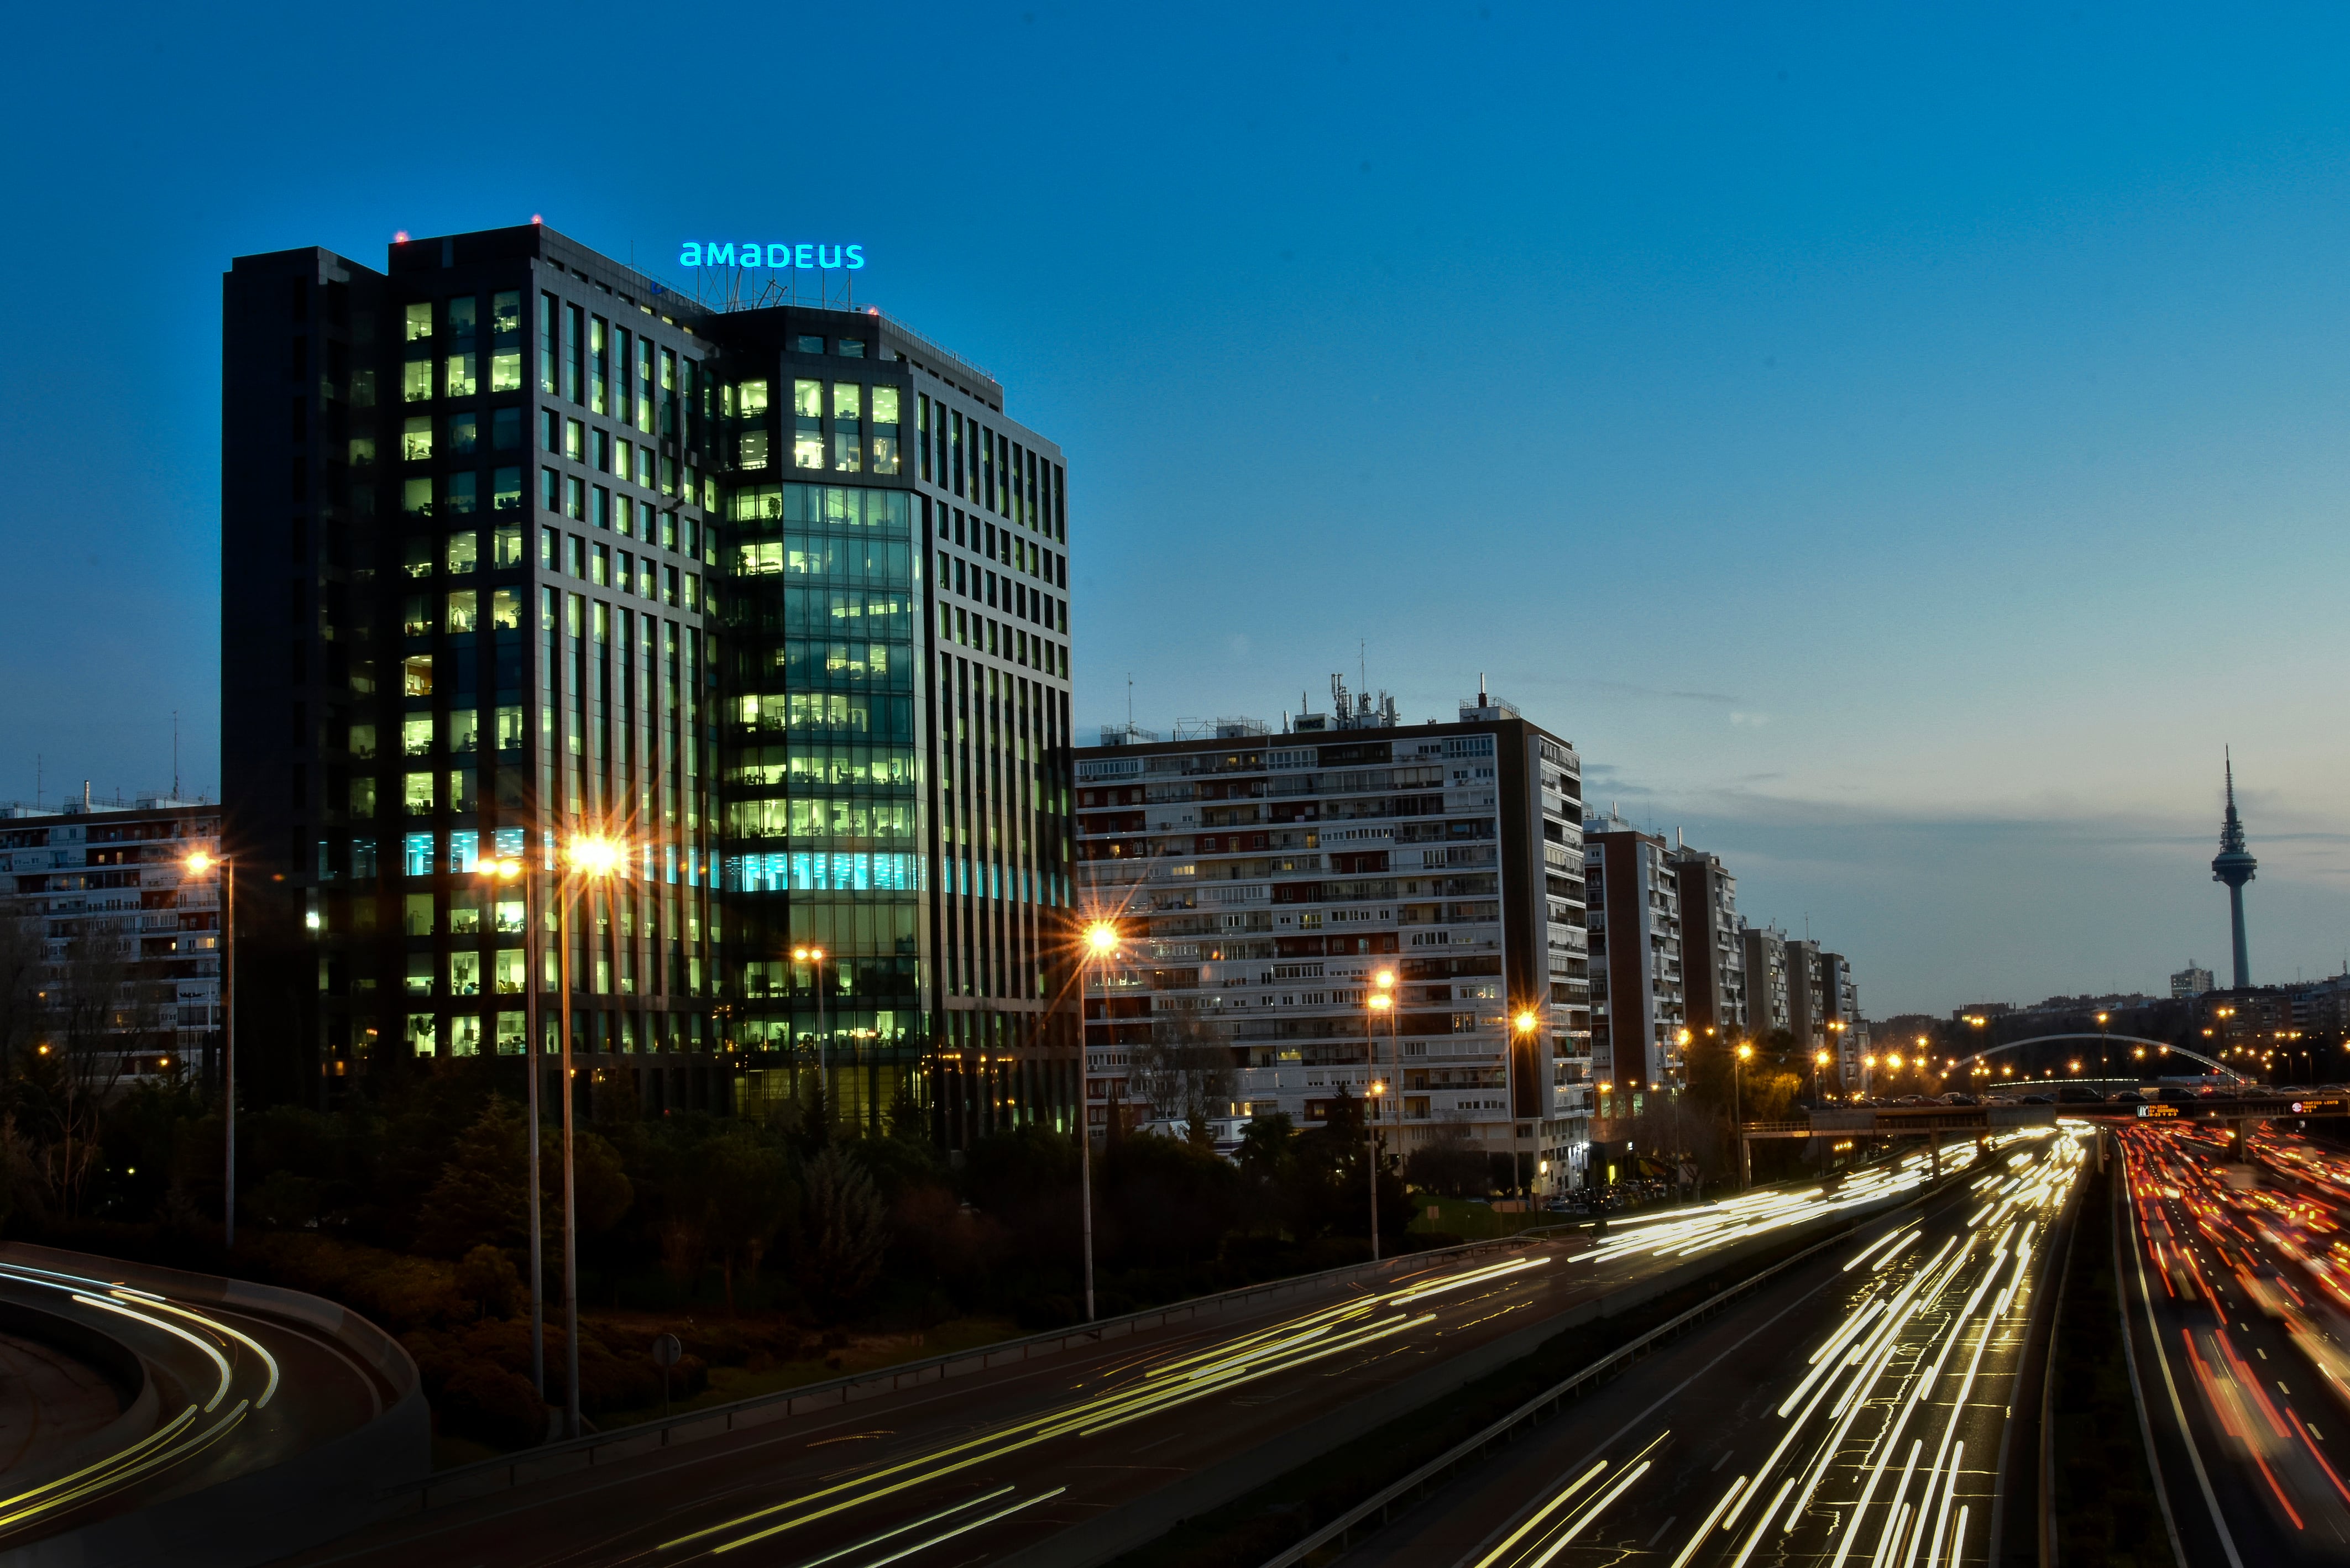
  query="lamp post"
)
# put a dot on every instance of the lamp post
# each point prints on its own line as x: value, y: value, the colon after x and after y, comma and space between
x: 517, y: 871
x: 1101, y: 943
x: 1378, y: 1002
x: 591, y: 859
x: 198, y: 863
x: 1524, y: 1023
x: 1819, y: 1061
x: 822, y: 1041
x: 1737, y: 1070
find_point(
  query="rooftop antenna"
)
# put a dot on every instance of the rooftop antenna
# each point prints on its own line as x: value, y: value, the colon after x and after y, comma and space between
x: 175, y: 753
x: 37, y: 806
x: 1481, y: 703
x: 1130, y: 699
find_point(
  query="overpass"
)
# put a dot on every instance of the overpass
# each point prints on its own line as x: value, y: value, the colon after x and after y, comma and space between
x: 1936, y: 1122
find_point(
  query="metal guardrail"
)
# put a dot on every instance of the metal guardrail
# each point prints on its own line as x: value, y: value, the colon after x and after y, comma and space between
x: 1470, y: 1448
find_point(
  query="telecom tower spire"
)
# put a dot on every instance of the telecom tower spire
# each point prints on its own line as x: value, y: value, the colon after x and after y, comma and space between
x: 2235, y: 865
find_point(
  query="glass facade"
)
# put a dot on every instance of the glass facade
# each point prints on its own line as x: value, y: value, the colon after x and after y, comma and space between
x: 822, y: 794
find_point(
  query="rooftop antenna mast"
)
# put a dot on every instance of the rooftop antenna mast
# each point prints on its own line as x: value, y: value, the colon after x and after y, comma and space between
x: 175, y: 754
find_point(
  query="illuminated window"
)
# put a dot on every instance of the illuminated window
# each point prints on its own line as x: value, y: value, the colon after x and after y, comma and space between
x: 416, y: 675
x: 505, y: 493
x: 754, y: 449
x: 751, y: 397
x: 464, y: 731
x: 464, y: 553
x: 510, y: 730
x: 506, y: 604
x: 420, y: 1029
x: 464, y: 614
x: 419, y: 321
x: 848, y: 436
x: 416, y: 616
x: 416, y: 381
x: 465, y: 979
x: 362, y: 451
x: 808, y: 424
x: 416, y: 794
x: 416, y: 439
x: 505, y: 371
x: 362, y: 741
x: 885, y: 451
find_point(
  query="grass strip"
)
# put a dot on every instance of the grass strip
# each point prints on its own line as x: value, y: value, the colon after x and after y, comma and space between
x: 2105, y: 1508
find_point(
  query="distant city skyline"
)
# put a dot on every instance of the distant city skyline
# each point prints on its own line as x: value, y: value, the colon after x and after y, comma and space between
x: 1859, y: 432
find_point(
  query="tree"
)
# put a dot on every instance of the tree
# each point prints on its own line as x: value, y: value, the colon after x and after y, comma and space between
x: 23, y: 954
x: 483, y: 1195
x: 1451, y: 1168
x: 845, y: 1230
x: 745, y: 1186
x: 1187, y: 1069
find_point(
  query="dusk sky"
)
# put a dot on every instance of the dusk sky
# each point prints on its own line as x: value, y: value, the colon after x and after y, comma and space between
x: 1899, y: 449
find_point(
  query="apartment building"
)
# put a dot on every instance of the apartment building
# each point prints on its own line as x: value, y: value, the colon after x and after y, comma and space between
x: 1266, y: 882
x: 1639, y: 992
x: 128, y: 931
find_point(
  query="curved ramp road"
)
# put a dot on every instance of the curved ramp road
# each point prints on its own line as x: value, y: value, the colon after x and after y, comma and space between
x: 207, y: 1391
x: 2238, y: 1295
x: 1065, y: 1460
x: 1849, y: 1415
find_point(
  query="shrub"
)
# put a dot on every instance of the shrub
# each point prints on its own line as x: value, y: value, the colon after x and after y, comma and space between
x: 483, y: 1400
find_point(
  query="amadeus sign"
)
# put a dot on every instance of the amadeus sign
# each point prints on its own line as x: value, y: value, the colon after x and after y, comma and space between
x: 774, y: 257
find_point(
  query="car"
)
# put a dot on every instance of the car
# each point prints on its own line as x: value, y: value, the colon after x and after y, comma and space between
x: 2077, y: 1094
x: 1956, y: 1097
x: 2126, y: 1097
x: 2038, y: 1100
x: 2000, y: 1100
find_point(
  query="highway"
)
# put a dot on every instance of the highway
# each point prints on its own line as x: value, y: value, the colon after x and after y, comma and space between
x: 204, y: 1392
x: 1851, y: 1411
x: 2239, y: 1315
x: 1018, y: 1462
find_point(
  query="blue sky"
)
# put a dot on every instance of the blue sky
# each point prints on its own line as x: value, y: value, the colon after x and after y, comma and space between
x: 1900, y: 449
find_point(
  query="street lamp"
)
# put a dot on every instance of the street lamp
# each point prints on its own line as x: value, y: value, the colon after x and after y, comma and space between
x: 1819, y: 1060
x: 1526, y: 1021
x: 822, y: 1041
x: 1379, y: 1001
x: 516, y: 870
x: 198, y: 863
x: 591, y: 859
x: 1737, y: 1066
x: 1101, y: 945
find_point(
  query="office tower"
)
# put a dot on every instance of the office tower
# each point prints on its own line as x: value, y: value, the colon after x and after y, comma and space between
x: 2192, y: 981
x: 1638, y: 1016
x: 522, y: 549
x: 1265, y: 882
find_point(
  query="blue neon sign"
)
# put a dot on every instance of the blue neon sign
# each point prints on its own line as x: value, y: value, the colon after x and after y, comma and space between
x: 773, y: 258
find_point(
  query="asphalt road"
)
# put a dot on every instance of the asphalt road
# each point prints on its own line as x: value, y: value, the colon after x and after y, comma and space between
x: 2235, y: 1298
x: 1860, y: 1395
x: 1002, y: 1465
x: 234, y: 1390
